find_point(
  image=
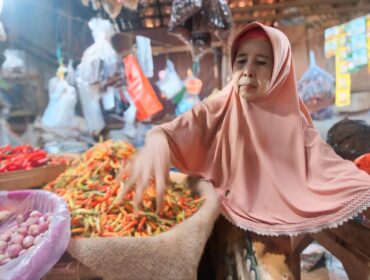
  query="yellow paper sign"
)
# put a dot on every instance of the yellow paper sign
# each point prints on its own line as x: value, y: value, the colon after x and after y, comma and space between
x: 343, y: 90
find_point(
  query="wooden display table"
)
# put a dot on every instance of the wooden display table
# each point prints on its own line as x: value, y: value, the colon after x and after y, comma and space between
x: 350, y: 243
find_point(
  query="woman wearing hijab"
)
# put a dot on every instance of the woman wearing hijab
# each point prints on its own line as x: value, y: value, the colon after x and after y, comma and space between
x: 256, y: 144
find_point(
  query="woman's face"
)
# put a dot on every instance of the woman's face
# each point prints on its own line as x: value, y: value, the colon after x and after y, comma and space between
x: 252, y: 68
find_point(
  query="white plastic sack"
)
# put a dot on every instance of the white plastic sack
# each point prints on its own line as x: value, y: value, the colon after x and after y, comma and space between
x: 60, y: 111
x: 89, y: 97
x: 169, y: 83
x: 144, y: 55
x: 99, y: 61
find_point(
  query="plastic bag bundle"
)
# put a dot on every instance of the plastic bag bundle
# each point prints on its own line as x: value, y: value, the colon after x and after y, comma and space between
x: 36, y: 261
x: 316, y: 88
x: 14, y: 63
x: 99, y: 61
x: 182, y: 10
x: 169, y: 83
x: 218, y: 14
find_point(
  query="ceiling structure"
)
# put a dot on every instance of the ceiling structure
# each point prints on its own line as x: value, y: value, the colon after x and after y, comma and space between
x: 313, y: 13
x: 35, y: 25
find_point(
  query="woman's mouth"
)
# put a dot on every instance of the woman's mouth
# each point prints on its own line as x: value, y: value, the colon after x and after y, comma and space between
x: 248, y: 86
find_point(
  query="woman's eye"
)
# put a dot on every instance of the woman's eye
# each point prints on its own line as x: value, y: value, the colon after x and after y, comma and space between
x: 242, y: 61
x: 261, y: 62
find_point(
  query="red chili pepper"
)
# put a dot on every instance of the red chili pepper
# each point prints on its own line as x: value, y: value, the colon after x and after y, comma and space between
x: 141, y: 224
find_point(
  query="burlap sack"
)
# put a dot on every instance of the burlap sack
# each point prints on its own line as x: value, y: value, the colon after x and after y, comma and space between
x: 174, y: 254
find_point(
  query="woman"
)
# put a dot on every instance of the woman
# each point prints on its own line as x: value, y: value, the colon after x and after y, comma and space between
x: 256, y: 143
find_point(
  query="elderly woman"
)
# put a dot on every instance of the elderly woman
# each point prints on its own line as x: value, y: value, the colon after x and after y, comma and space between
x: 256, y: 144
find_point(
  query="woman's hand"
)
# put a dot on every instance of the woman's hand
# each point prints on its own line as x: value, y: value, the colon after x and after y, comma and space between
x: 151, y: 162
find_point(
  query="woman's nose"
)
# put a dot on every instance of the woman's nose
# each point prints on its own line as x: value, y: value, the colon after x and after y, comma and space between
x: 248, y: 72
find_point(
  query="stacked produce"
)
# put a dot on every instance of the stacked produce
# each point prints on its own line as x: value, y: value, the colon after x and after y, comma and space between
x: 23, y: 157
x: 91, y: 192
x: 27, y: 232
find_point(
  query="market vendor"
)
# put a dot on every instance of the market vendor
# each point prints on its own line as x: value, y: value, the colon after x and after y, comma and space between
x: 256, y: 144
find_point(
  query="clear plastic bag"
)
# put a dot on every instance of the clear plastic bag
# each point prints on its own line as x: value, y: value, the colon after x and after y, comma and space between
x: 316, y: 88
x: 99, y: 61
x: 144, y: 55
x: 129, y: 117
x: 169, y: 83
x: 186, y: 103
x: 182, y: 10
x: 60, y: 111
x: 36, y: 262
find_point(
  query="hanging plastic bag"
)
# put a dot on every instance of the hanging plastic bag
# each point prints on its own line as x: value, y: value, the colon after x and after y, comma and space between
x: 144, y: 55
x: 14, y: 63
x: 140, y: 90
x: 99, y: 61
x: 182, y: 10
x: 90, y: 101
x: 71, y: 74
x: 169, y: 82
x: 316, y: 88
x: 60, y: 111
x: 3, y: 36
x: 218, y: 14
x: 50, y: 245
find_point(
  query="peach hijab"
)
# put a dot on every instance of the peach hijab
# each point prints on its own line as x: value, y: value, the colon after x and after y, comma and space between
x: 272, y: 171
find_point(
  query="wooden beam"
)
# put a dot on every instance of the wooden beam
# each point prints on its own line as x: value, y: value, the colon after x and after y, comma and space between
x: 175, y: 49
x: 324, y: 10
x: 290, y: 4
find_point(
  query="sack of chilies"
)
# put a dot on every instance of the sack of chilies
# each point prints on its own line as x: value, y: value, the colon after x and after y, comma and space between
x: 174, y: 254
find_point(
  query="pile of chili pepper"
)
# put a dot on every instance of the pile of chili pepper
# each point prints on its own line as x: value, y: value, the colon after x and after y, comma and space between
x: 91, y: 191
x: 22, y: 157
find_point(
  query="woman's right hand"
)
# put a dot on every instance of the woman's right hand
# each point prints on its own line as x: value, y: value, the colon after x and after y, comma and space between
x: 151, y: 162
